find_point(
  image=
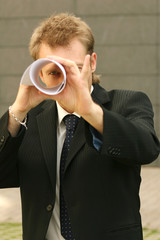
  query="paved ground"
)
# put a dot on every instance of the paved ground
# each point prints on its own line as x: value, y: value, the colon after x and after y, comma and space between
x: 10, y: 208
x: 150, y: 198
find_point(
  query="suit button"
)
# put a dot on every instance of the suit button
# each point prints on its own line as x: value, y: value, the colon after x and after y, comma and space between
x: 2, y: 139
x: 49, y: 207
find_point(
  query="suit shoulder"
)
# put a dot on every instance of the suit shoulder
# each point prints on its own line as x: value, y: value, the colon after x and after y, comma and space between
x: 122, y: 99
x: 124, y: 95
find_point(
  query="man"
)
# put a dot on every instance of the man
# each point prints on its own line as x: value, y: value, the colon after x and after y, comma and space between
x: 101, y: 176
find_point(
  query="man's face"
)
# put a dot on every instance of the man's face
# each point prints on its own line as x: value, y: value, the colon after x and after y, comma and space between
x: 51, y: 74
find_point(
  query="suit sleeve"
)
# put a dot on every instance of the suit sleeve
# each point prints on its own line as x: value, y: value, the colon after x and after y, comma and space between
x: 129, y: 135
x: 8, y: 154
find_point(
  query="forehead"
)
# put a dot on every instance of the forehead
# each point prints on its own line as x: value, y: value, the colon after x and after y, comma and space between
x: 74, y: 50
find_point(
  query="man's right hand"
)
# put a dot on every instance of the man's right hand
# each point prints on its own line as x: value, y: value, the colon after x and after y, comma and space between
x: 27, y: 98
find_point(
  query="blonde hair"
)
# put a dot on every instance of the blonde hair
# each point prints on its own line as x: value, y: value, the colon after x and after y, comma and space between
x: 59, y: 30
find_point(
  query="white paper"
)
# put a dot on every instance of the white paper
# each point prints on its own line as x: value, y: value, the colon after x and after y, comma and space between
x: 31, y: 76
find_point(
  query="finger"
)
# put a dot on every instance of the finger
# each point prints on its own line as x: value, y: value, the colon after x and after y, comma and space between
x: 70, y: 66
x: 86, y: 65
x: 63, y: 61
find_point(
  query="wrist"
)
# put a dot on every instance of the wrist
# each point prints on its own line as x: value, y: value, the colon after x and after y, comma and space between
x: 19, y: 111
x: 92, y: 110
x: 95, y: 117
x: 20, y: 118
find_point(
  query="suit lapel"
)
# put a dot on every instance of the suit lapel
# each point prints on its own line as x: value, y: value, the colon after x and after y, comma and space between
x: 47, y: 125
x: 100, y: 95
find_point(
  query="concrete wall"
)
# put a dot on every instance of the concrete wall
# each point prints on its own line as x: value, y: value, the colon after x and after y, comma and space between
x: 127, y: 37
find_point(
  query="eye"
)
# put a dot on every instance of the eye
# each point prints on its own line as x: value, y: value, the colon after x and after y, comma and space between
x: 55, y: 73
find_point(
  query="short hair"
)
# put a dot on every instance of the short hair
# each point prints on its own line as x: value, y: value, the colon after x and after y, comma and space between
x: 59, y: 30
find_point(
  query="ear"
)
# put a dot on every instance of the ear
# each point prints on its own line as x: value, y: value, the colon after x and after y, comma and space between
x: 93, y: 62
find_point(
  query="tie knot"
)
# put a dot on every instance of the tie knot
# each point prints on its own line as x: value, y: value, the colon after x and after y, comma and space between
x: 70, y: 121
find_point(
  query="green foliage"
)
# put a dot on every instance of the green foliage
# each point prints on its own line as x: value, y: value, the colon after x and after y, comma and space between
x: 10, y: 231
x: 13, y: 231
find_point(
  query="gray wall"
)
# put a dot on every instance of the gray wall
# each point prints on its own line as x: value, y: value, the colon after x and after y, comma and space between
x: 127, y: 34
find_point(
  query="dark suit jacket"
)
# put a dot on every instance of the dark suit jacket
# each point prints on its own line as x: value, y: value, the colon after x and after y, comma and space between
x: 101, y: 188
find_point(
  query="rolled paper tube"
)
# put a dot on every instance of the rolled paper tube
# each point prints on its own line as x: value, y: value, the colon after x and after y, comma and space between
x: 31, y: 76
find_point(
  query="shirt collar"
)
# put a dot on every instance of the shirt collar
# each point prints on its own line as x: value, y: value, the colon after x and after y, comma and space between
x: 62, y: 113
